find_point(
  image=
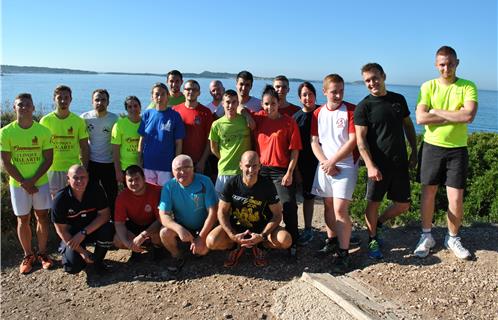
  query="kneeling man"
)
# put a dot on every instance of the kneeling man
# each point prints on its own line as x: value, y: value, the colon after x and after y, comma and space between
x: 187, y: 210
x: 81, y: 214
x: 136, y: 216
x: 250, y: 214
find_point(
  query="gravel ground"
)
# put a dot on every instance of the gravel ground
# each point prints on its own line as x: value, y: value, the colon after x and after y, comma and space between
x: 439, y: 287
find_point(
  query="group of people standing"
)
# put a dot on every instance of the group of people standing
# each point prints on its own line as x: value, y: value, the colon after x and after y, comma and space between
x: 223, y: 176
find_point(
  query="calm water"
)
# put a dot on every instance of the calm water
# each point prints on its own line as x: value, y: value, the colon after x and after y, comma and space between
x: 119, y: 86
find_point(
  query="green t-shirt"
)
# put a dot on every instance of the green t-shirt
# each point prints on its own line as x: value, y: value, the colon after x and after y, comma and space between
x: 172, y: 101
x: 66, y: 136
x: 26, y: 147
x: 451, y: 98
x: 233, y: 138
x: 125, y: 134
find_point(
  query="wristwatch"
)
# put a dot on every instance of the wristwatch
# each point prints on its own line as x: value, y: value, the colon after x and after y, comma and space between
x: 83, y: 232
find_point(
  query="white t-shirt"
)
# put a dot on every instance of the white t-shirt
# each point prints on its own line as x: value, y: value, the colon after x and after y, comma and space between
x: 253, y: 104
x: 218, y: 110
x: 99, y: 131
x: 332, y: 127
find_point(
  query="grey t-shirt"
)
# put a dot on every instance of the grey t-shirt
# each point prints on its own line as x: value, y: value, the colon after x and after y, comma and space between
x: 99, y: 131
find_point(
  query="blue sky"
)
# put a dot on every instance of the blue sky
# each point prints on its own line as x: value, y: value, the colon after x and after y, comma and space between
x: 301, y: 39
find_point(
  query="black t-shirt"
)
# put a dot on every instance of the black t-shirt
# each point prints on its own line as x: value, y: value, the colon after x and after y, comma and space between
x: 306, y: 156
x: 249, y: 205
x: 66, y: 209
x: 385, y: 136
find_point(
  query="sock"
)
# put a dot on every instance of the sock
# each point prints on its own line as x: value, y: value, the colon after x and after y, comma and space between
x: 428, y: 230
x: 452, y: 235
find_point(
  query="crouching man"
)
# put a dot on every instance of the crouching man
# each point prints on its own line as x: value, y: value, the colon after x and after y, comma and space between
x: 249, y: 214
x: 187, y: 211
x: 136, y: 217
x: 81, y: 214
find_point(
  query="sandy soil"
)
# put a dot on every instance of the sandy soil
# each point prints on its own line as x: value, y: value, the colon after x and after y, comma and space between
x: 437, y: 287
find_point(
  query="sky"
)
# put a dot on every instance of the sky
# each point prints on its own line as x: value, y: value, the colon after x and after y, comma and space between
x: 300, y: 39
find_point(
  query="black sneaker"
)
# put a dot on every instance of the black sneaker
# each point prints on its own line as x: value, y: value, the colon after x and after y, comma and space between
x: 101, y: 268
x: 176, y: 264
x: 342, y: 264
x: 330, y: 247
x: 354, y: 241
x: 135, y: 257
x: 157, y: 254
x: 293, y: 253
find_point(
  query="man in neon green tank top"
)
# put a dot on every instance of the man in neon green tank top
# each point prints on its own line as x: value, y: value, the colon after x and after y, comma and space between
x: 445, y: 106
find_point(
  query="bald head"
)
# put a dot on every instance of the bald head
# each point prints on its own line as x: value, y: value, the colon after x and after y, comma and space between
x: 76, y: 168
x: 181, y: 160
x: 183, y: 169
x: 250, y: 156
x: 216, y: 90
x: 77, y: 178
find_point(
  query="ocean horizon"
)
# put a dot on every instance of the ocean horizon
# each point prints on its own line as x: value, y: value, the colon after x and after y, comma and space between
x: 41, y: 87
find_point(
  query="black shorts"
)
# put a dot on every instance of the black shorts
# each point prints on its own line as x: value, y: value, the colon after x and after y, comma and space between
x: 448, y: 166
x: 395, y: 182
x: 134, y: 228
x: 308, y: 175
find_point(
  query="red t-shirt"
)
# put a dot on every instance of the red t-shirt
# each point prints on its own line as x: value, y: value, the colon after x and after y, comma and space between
x: 197, y: 126
x: 275, y: 138
x: 141, y: 210
x: 289, y: 110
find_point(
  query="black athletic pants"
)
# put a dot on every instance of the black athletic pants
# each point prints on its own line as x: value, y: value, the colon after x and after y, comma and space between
x: 104, y: 174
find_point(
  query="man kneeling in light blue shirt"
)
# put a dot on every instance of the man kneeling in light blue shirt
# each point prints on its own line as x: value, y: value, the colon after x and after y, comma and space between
x: 187, y: 211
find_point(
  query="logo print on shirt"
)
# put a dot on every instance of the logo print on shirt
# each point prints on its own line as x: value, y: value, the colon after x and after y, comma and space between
x: 197, y: 120
x: 90, y: 127
x: 70, y: 130
x: 166, y: 126
x: 106, y: 130
x: 148, y: 208
x: 340, y: 123
x: 34, y: 141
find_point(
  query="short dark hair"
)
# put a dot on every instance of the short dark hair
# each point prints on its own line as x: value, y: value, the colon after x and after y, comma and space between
x: 372, y: 66
x: 269, y: 90
x: 175, y: 73
x: 159, y: 85
x: 62, y: 87
x: 24, y: 95
x: 446, y: 51
x: 245, y: 75
x: 281, y: 78
x: 230, y: 93
x: 193, y: 82
x: 133, y: 170
x: 103, y: 91
x: 129, y: 99
x: 308, y: 85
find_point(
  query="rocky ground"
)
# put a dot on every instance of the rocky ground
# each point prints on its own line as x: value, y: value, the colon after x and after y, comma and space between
x: 439, y: 287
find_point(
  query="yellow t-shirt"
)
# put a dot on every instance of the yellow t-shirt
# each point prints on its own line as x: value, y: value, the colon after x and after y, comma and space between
x: 451, y: 98
x: 125, y: 134
x: 66, y: 136
x: 26, y: 147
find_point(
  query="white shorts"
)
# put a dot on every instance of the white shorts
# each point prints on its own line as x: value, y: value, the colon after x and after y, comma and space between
x: 56, y: 180
x: 157, y: 177
x: 220, y: 182
x: 22, y: 202
x: 339, y: 186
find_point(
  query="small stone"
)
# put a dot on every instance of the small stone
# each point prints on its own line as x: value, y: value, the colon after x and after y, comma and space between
x: 186, y: 304
x: 227, y: 316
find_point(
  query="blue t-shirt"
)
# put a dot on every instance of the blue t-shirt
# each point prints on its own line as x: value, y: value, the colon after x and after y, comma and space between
x: 189, y: 204
x: 160, y: 130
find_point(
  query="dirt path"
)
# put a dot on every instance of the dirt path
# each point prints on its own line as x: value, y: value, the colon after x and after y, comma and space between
x: 437, y: 287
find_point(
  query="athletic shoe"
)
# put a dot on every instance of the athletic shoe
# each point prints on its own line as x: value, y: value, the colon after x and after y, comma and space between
x: 157, y: 254
x: 259, y: 257
x: 45, y: 261
x: 374, y: 250
x: 455, y: 245
x: 293, y: 253
x: 354, y: 241
x: 380, y: 234
x: 342, y: 264
x: 135, y: 257
x: 424, y: 245
x: 233, y: 257
x: 102, y: 268
x: 176, y: 264
x: 330, y: 247
x: 27, y: 264
x: 305, y: 237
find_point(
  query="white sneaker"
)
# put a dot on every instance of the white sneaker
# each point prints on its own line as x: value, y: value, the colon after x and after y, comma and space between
x: 454, y: 244
x: 424, y: 245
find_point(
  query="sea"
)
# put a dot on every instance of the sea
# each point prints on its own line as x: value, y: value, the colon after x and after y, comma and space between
x: 119, y: 86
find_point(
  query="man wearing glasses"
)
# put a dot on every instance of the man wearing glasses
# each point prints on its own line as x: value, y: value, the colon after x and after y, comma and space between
x: 187, y: 211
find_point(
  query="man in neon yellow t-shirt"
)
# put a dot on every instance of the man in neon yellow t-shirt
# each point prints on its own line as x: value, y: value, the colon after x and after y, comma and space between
x: 125, y: 138
x: 69, y: 137
x: 26, y: 156
x: 445, y: 106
